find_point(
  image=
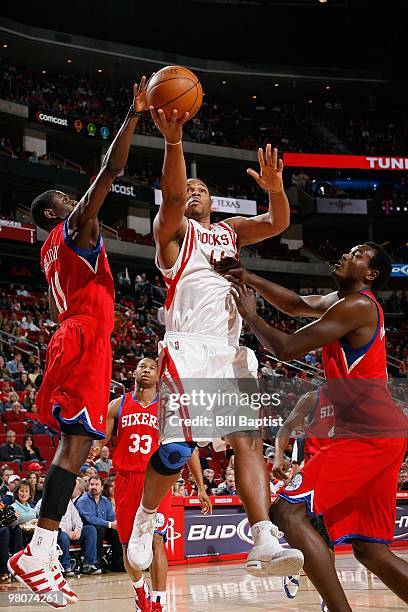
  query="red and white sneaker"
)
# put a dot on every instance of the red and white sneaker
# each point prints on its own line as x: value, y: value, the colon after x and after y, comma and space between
x: 158, y: 607
x: 37, y: 575
x: 60, y: 582
x: 143, y: 598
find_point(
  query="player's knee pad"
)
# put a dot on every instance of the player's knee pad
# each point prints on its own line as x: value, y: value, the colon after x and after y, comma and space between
x: 170, y: 458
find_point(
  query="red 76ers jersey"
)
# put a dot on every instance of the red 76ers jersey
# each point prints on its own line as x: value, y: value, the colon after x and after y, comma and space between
x: 137, y: 434
x: 80, y: 280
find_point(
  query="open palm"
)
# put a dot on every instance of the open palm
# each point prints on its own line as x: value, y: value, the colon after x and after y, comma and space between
x: 269, y: 176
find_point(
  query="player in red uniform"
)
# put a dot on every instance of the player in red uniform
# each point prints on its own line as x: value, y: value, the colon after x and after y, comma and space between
x: 351, y: 482
x: 133, y: 419
x: 75, y: 390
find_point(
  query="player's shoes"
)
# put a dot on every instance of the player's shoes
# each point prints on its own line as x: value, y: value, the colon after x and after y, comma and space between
x: 323, y: 606
x: 139, y: 551
x: 37, y: 575
x: 61, y: 583
x: 269, y: 558
x: 291, y: 585
x: 158, y: 607
x: 143, y: 598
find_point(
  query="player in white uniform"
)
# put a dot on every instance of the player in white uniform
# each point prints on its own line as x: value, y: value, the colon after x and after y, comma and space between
x: 203, y: 328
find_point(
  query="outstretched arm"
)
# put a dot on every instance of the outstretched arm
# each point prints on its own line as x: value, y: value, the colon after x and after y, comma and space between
x: 83, y: 225
x: 283, y: 299
x: 304, y: 406
x: 276, y: 220
x: 347, y: 315
x: 169, y: 225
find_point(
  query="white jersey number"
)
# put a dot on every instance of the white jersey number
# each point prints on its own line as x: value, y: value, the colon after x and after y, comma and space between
x: 141, y: 444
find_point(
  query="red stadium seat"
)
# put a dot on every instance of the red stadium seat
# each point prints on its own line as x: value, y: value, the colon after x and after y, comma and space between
x: 47, y: 453
x: 41, y: 440
x: 19, y: 428
x: 11, y: 417
x: 103, y: 474
x: 2, y: 428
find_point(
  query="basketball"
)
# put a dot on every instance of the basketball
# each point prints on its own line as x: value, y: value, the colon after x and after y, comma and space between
x: 175, y: 87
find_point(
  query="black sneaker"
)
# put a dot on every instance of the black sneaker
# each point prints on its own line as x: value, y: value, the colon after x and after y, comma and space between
x: 87, y: 568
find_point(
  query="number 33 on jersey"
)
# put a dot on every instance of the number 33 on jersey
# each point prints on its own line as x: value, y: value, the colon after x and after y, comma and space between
x: 137, y: 434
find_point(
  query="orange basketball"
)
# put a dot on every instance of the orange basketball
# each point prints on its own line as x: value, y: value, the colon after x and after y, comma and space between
x: 175, y: 87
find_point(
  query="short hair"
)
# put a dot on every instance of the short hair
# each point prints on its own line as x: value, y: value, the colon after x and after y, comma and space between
x: 96, y: 477
x: 21, y: 484
x: 38, y: 206
x: 380, y: 261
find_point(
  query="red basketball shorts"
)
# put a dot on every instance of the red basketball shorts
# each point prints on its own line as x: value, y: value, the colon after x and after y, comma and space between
x: 128, y: 496
x: 353, y: 484
x: 76, y: 383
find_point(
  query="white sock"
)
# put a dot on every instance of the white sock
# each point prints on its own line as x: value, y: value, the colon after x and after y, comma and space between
x: 160, y: 596
x: 261, y: 531
x: 138, y: 583
x: 43, y: 542
x: 147, y: 510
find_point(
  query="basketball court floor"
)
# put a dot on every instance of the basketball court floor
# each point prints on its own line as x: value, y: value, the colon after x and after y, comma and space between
x: 226, y: 586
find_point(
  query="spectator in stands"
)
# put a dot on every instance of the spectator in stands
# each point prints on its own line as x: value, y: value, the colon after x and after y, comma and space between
x: 22, y: 381
x: 91, y: 471
x: 190, y: 485
x: 22, y: 292
x: 5, y: 473
x: 28, y: 324
x: 10, y: 451
x: 8, y: 497
x: 39, y: 489
x: 228, y: 487
x: 179, y: 488
x: 70, y: 530
x: 4, y: 554
x: 29, y: 400
x: 32, y: 376
x: 18, y: 411
x: 209, y: 482
x: 9, y: 401
x: 31, y: 452
x: 4, y: 373
x: 23, y: 527
x: 104, y: 463
x: 13, y: 364
x: 108, y: 490
x: 97, y: 510
x: 403, y: 478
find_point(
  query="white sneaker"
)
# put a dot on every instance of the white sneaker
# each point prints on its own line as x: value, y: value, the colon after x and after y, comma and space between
x: 323, y: 606
x: 269, y: 558
x: 59, y: 580
x: 291, y: 585
x: 139, y: 551
x: 37, y: 575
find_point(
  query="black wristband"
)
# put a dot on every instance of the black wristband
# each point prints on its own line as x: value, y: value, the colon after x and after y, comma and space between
x: 133, y: 113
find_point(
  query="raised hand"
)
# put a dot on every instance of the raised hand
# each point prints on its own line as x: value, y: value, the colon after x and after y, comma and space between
x: 269, y: 176
x: 172, y: 129
x: 139, y: 96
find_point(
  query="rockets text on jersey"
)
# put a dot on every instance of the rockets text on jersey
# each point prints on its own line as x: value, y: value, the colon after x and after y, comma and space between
x: 198, y: 299
x: 137, y: 434
x: 80, y: 280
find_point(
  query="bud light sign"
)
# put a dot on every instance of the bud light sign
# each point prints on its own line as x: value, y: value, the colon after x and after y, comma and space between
x: 225, y: 532
x: 400, y: 270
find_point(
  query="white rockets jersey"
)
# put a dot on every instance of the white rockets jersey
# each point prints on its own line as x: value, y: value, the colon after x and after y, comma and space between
x: 198, y: 300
